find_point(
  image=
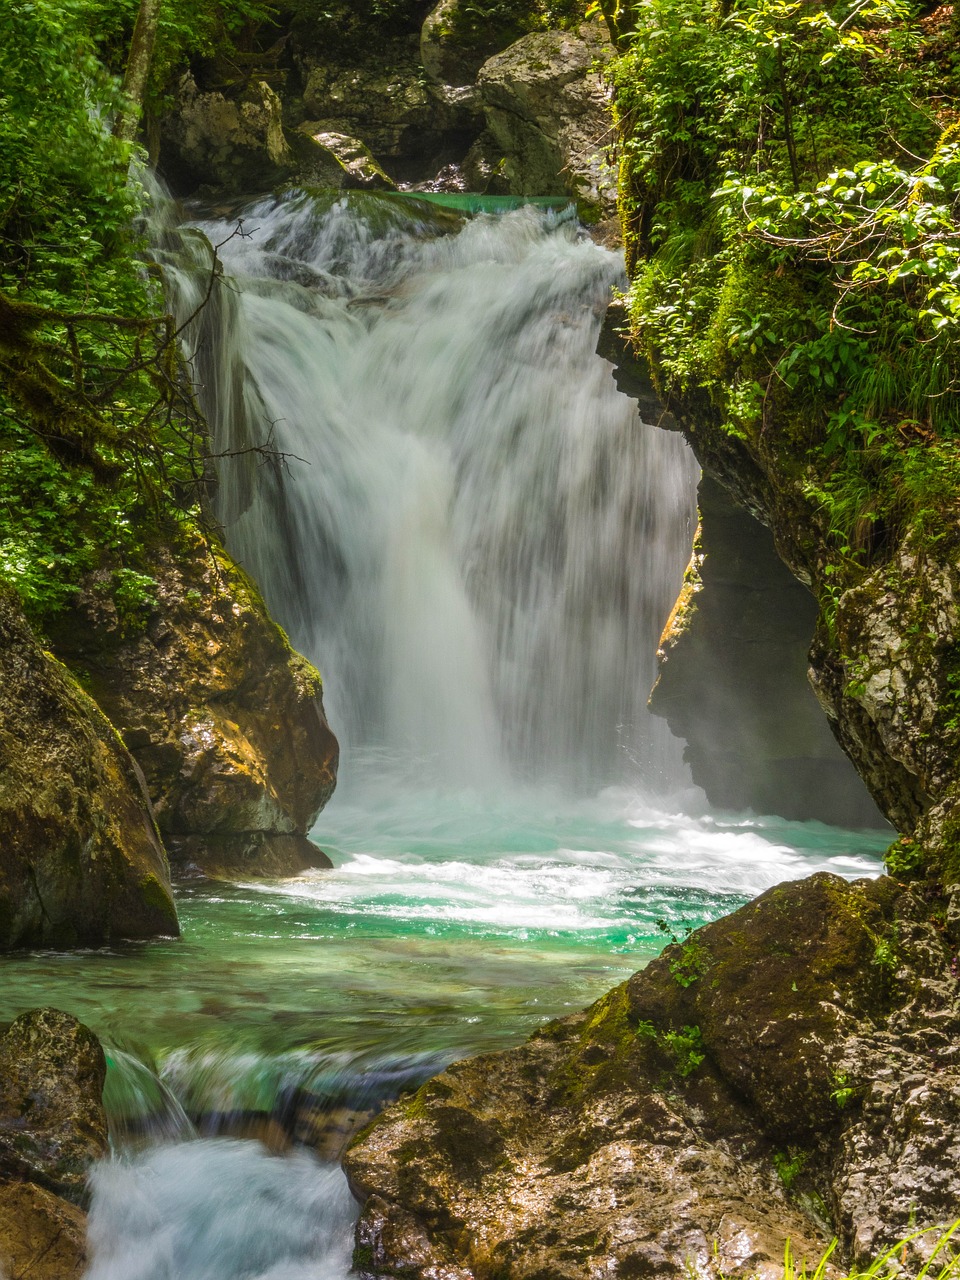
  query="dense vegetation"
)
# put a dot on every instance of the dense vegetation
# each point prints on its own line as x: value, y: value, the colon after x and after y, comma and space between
x: 99, y: 449
x: 790, y: 194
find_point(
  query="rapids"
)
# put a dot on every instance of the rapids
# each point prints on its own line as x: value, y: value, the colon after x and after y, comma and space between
x: 453, y: 511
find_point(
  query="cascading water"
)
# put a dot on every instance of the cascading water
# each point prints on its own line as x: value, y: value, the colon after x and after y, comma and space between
x: 478, y: 541
x: 474, y: 534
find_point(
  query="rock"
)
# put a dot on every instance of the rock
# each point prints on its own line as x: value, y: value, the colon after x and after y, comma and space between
x: 224, y: 718
x: 236, y: 144
x: 80, y: 858
x: 411, y: 127
x: 52, y: 1122
x: 336, y: 160
x: 42, y: 1237
x: 548, y: 115
x: 733, y: 670
x: 769, y: 1071
x: 443, y: 56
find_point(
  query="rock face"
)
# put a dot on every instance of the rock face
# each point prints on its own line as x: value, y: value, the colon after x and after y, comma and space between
x: 336, y: 160
x: 737, y: 1092
x: 733, y: 679
x: 883, y: 663
x: 411, y: 126
x: 466, y: 105
x: 80, y: 858
x: 548, y: 115
x: 225, y: 720
x: 235, y: 144
x: 52, y: 1127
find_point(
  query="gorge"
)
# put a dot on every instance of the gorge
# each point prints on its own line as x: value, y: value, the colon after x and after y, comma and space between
x: 453, y: 507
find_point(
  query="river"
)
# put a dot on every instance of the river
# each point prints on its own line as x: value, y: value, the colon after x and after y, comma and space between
x: 460, y: 519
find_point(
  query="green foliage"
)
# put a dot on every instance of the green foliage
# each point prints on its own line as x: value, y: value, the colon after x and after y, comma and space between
x: 790, y: 261
x: 187, y: 30
x: 905, y: 859
x: 686, y: 1049
x: 842, y: 1090
x: 99, y: 443
x: 691, y: 958
x: 789, y: 1167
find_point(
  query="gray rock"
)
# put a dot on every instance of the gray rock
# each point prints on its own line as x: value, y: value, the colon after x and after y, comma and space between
x: 548, y: 115
x: 337, y: 160
x: 80, y: 858
x: 390, y: 109
x: 236, y: 144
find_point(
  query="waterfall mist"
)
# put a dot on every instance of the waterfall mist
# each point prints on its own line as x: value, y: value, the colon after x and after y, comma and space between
x: 472, y: 533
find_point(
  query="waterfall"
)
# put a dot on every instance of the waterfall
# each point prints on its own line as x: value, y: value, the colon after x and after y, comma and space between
x: 457, y: 515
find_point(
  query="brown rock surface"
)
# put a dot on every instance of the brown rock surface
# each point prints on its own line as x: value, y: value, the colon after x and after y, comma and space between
x: 80, y: 858
x: 224, y: 718
x: 52, y: 1121
x: 769, y: 1077
x: 42, y: 1237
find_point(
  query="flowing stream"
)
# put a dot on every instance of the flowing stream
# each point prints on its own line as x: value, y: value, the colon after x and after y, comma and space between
x: 453, y: 511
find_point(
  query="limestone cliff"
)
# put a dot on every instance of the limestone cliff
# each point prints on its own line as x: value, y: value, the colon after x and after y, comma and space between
x: 224, y: 718
x: 81, y: 861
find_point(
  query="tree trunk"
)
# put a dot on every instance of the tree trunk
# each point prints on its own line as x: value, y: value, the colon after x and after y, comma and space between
x: 138, y: 69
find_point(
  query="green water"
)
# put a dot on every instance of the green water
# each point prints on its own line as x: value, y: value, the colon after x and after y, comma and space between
x: 450, y: 924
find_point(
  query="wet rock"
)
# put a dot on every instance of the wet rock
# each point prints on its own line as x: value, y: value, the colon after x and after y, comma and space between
x: 224, y: 718
x: 80, y: 858
x: 42, y: 1237
x: 336, y: 160
x: 234, y: 143
x: 786, y: 1072
x: 733, y: 669
x: 548, y: 116
x: 52, y: 1121
x: 412, y: 127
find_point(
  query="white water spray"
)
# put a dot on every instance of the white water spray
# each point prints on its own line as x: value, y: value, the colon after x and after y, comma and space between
x: 482, y: 540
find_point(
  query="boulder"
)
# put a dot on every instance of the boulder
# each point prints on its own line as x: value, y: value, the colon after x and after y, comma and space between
x: 42, y: 1237
x: 224, y: 718
x: 548, y: 116
x: 52, y: 1122
x: 410, y: 126
x: 236, y: 144
x: 81, y: 861
x: 336, y: 160
x: 787, y: 1073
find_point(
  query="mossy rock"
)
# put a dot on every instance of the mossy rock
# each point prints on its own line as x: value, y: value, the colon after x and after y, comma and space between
x: 81, y: 860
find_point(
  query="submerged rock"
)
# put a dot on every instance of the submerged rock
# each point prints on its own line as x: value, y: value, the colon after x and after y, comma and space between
x: 80, y: 858
x: 52, y: 1122
x: 737, y: 1093
x: 224, y: 718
